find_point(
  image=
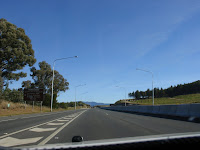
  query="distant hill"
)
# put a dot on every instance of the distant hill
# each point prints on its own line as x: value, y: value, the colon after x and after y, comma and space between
x: 95, y: 103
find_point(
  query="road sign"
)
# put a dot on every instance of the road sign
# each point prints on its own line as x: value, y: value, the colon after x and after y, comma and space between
x: 33, y: 94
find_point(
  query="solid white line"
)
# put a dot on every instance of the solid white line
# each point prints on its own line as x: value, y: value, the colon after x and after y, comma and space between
x: 57, y: 131
x: 29, y: 128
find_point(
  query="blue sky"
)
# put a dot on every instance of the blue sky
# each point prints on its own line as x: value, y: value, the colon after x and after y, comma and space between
x: 112, y: 38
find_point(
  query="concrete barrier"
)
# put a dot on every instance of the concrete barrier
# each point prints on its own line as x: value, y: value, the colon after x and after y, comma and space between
x: 183, y: 110
x: 143, y: 109
x: 172, y: 110
x: 194, y: 110
x: 156, y: 109
x: 165, y: 109
x: 130, y: 109
x: 149, y: 109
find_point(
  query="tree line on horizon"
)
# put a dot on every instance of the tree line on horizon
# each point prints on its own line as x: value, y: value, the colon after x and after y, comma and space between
x: 16, y: 52
x: 180, y: 89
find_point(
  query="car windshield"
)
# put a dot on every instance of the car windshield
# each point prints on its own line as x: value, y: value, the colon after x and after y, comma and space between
x: 85, y: 70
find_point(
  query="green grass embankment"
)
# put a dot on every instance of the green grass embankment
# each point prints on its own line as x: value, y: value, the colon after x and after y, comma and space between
x: 181, y: 99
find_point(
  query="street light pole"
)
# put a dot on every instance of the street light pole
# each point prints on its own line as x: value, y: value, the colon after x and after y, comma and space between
x: 53, y: 77
x: 75, y: 94
x: 152, y: 82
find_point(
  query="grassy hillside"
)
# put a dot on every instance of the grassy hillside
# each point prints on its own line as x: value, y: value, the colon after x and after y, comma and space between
x: 181, y: 99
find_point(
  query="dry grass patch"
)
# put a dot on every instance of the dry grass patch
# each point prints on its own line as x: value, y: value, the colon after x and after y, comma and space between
x: 19, y: 108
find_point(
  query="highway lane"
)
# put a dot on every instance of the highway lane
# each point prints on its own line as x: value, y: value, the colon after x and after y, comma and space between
x: 97, y: 124
x: 92, y: 124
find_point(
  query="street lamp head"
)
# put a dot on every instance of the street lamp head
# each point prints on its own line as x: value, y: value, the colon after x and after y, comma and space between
x: 76, y: 56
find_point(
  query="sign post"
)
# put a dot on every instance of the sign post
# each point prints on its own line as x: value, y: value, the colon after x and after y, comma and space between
x: 33, y: 106
x: 25, y: 104
x: 33, y: 95
x: 41, y: 106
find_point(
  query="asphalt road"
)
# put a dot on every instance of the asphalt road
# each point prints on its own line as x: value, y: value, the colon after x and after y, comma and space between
x: 92, y: 124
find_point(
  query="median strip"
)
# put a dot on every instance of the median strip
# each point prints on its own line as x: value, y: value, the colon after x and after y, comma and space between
x: 29, y: 128
x: 58, y: 130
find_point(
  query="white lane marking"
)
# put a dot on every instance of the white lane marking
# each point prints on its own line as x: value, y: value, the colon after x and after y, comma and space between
x: 53, y: 124
x: 10, y: 141
x: 71, y: 116
x: 62, y: 120
x: 42, y: 129
x: 8, y: 119
x: 58, y: 130
x: 68, y: 118
x: 28, y: 128
x: 46, y: 114
x: 31, y: 116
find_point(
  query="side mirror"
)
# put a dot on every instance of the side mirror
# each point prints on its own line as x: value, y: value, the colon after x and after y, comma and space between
x: 77, y: 139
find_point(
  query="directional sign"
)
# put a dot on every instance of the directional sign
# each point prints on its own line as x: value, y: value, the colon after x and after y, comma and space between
x: 33, y: 94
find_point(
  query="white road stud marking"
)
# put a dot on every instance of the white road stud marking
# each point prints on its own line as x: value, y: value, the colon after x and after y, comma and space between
x: 10, y: 141
x: 53, y: 124
x: 42, y: 129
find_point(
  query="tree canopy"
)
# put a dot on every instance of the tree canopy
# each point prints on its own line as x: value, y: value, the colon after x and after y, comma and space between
x: 43, y: 78
x: 15, y: 52
x: 180, y: 89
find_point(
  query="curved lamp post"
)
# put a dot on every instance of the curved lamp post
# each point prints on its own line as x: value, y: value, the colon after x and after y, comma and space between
x: 53, y: 77
x: 152, y: 83
x: 75, y: 94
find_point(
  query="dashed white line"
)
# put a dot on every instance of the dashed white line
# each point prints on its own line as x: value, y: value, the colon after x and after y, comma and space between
x: 8, y: 120
x: 30, y: 116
